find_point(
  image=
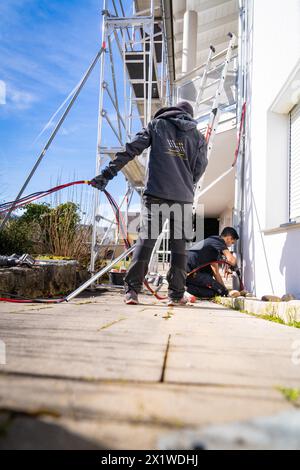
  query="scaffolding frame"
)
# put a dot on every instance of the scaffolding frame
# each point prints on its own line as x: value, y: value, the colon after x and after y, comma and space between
x: 138, y: 43
x: 198, y: 80
x: 141, y: 35
x: 212, y: 124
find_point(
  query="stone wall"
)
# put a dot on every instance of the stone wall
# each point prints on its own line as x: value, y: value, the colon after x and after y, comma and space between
x: 49, y: 278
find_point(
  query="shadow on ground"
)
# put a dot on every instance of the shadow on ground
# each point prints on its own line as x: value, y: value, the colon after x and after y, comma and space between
x: 21, y: 432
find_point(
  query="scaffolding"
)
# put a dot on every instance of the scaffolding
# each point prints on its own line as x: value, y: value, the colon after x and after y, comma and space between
x: 135, y: 66
x: 133, y: 86
x: 211, y: 89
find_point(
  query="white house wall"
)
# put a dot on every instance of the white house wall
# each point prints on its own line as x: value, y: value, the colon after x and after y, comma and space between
x: 271, y: 254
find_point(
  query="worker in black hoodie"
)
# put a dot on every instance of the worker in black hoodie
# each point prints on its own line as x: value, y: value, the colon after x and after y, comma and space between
x: 177, y: 160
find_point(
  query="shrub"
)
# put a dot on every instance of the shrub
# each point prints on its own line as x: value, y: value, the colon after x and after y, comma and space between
x: 15, y: 238
x: 45, y: 230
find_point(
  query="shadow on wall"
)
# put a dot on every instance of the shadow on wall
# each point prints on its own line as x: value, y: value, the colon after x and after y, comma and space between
x: 289, y: 262
x: 248, y: 227
x: 248, y: 217
x: 248, y: 224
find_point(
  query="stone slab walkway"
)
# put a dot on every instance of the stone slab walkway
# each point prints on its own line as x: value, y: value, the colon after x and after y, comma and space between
x: 96, y: 373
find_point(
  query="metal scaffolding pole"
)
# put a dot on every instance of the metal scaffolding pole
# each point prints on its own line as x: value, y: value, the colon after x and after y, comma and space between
x: 98, y: 275
x: 99, y: 139
x: 131, y: 89
x: 53, y: 134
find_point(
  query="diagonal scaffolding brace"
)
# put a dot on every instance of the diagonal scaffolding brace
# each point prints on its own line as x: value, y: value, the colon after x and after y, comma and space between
x: 53, y: 134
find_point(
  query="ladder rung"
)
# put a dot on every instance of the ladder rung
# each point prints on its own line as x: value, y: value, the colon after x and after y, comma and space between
x: 211, y: 84
x: 134, y: 61
x: 217, y: 67
x: 206, y: 99
x: 154, y: 100
x: 139, y: 81
x: 130, y: 53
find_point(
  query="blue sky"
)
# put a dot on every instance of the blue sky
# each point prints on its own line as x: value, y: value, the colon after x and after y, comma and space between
x: 45, y: 48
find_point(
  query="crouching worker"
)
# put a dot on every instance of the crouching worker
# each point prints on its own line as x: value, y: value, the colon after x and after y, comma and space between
x: 178, y: 158
x: 207, y: 282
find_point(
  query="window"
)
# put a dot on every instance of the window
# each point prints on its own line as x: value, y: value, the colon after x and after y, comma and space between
x: 295, y: 163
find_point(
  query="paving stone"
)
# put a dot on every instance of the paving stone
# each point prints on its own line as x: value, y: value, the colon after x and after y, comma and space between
x: 104, y: 374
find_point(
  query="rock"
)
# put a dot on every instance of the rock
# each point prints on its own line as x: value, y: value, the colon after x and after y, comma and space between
x: 243, y: 293
x: 271, y: 298
x: 288, y: 297
x: 234, y: 293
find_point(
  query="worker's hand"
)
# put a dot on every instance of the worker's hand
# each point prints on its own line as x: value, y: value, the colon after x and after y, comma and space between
x: 99, y: 182
x: 235, y: 269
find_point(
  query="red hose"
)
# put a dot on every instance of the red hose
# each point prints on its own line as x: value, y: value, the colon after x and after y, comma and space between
x: 243, y: 115
x: 30, y: 198
x: 33, y: 197
x: 192, y: 272
x: 33, y: 301
x: 120, y: 221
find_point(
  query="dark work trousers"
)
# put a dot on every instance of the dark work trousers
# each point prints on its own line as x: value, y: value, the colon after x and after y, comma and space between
x: 202, y: 284
x: 153, y: 215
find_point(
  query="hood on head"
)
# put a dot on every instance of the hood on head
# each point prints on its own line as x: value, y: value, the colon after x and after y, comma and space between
x: 177, y: 116
x: 186, y: 107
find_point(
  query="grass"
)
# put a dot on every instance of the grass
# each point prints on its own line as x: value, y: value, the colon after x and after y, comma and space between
x: 269, y: 317
x: 58, y: 258
x: 290, y: 394
x: 273, y: 318
x: 295, y: 324
x: 168, y: 315
x: 108, y: 325
x: 265, y: 317
x: 121, y: 264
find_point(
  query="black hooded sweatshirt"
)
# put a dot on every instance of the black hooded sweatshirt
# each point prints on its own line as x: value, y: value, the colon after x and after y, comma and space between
x: 178, y: 155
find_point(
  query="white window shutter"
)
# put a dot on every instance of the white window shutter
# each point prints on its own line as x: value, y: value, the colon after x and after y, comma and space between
x: 295, y: 163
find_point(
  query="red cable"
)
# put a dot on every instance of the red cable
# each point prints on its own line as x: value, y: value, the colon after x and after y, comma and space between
x: 192, y: 272
x: 236, y: 153
x: 120, y: 222
x: 33, y: 197
x: 33, y: 301
x: 57, y: 188
x: 216, y: 262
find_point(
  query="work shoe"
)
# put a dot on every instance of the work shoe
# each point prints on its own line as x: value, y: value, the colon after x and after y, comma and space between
x: 190, y: 297
x: 131, y: 298
x: 177, y: 302
x: 185, y: 299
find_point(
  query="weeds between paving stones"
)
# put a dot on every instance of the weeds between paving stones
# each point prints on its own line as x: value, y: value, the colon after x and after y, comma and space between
x: 108, y: 325
x: 273, y: 318
x: 168, y: 315
x: 291, y: 394
x: 267, y: 316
